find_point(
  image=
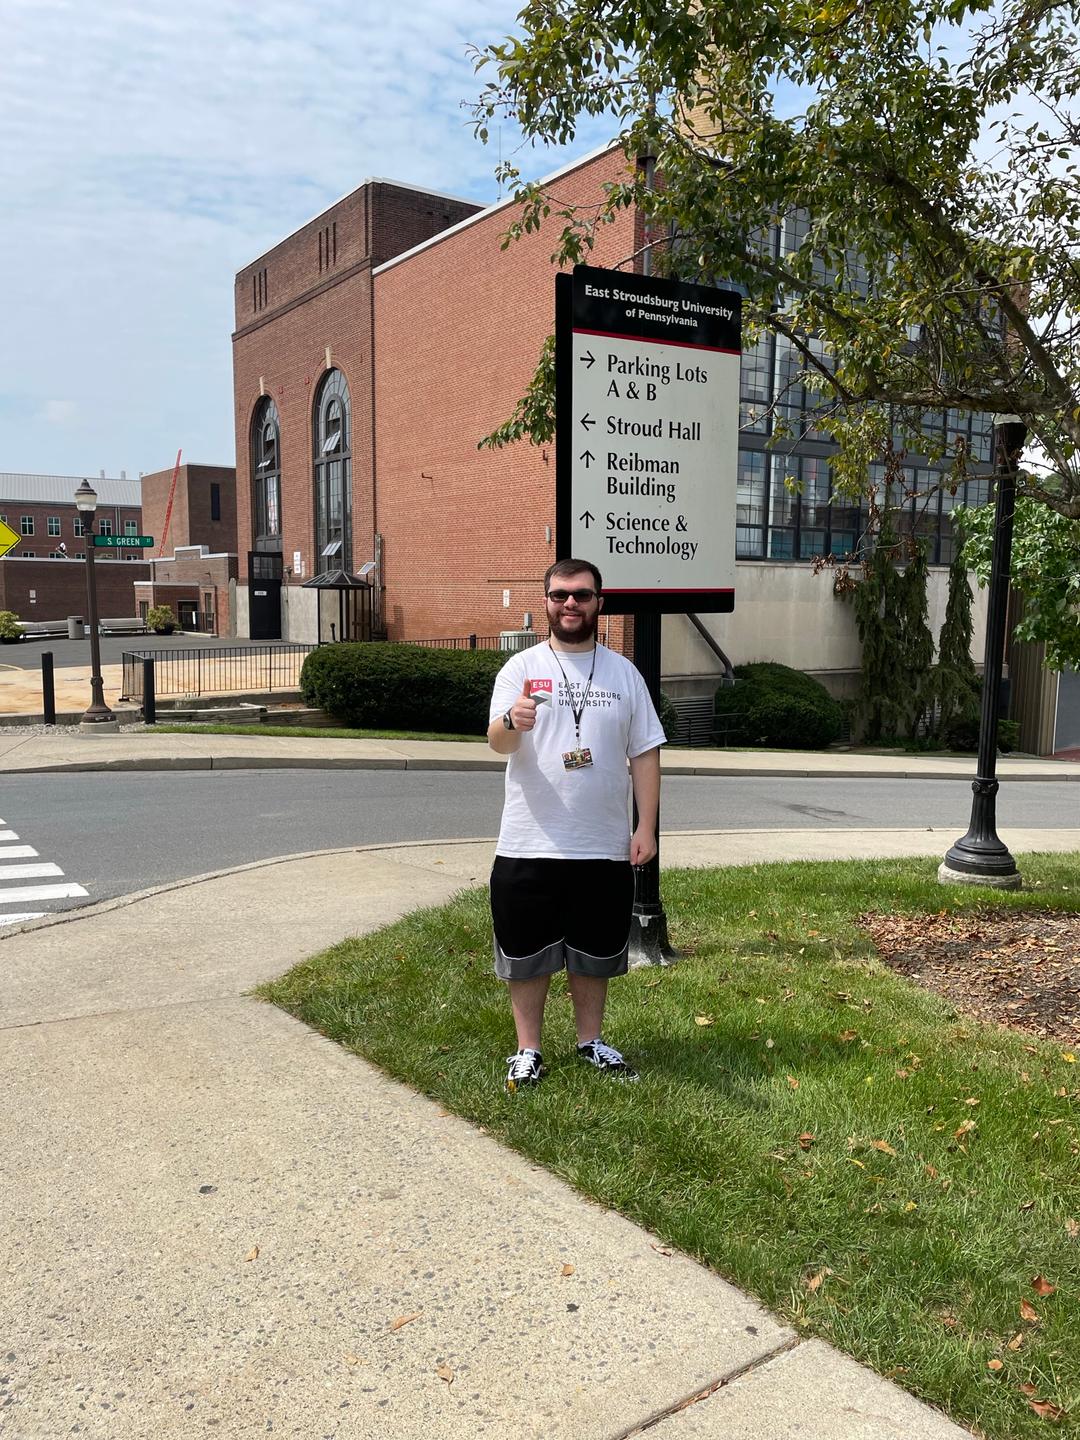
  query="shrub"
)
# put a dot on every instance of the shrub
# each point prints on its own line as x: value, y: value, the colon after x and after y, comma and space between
x: 10, y: 626
x: 402, y: 687
x: 160, y: 619
x: 963, y: 734
x: 668, y: 716
x: 772, y: 704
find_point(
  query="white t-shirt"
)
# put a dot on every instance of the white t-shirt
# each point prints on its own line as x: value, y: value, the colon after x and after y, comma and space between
x: 554, y: 813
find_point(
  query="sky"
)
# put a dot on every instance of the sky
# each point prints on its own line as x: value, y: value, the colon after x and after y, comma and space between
x: 149, y: 151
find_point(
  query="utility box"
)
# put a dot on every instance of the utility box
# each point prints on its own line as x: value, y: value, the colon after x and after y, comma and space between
x: 517, y: 639
x: 76, y: 629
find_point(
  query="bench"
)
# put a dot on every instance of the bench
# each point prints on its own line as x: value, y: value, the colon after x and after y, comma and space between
x: 126, y: 625
x: 43, y: 629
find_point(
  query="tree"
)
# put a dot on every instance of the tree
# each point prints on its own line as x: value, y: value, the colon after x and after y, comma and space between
x: 956, y: 683
x: 1045, y: 570
x: 925, y: 149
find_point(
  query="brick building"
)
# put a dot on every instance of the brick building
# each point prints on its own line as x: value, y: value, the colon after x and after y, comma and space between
x: 43, y: 577
x: 304, y: 398
x: 437, y: 341
x: 41, y: 510
x: 193, y: 562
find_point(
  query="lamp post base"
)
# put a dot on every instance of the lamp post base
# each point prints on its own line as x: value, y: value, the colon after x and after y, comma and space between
x: 99, y: 724
x: 948, y: 876
x: 649, y: 944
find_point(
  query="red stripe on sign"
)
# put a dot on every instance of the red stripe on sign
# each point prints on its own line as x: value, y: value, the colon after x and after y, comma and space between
x: 648, y: 340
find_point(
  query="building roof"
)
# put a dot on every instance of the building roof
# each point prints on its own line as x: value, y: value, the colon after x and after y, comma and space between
x: 60, y: 489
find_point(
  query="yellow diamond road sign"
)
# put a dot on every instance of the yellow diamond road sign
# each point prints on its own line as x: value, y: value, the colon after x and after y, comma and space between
x: 8, y: 538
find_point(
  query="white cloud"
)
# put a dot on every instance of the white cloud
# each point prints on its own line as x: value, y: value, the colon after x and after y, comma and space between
x: 148, y: 151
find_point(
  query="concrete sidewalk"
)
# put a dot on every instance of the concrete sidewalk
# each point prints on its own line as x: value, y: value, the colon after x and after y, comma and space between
x: 217, y: 1220
x: 24, y: 752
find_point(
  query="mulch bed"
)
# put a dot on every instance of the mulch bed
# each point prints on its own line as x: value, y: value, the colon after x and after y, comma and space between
x: 1018, y: 968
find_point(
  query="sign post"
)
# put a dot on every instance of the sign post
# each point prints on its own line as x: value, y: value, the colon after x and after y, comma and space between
x: 647, y: 412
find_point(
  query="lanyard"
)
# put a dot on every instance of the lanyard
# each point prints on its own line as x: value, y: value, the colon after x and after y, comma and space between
x: 576, y: 710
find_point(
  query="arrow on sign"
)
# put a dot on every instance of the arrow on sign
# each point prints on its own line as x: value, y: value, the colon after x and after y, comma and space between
x: 588, y: 517
x: 587, y: 421
x: 8, y: 538
x: 589, y: 358
x: 588, y: 457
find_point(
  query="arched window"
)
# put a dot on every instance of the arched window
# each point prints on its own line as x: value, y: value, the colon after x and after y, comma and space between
x: 266, y: 475
x: 332, y: 437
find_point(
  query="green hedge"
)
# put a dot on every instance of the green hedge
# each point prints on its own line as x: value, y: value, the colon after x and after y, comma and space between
x: 771, y: 704
x: 402, y: 687
x: 411, y: 687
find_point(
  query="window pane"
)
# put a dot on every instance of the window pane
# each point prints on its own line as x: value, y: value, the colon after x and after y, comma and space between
x: 749, y: 542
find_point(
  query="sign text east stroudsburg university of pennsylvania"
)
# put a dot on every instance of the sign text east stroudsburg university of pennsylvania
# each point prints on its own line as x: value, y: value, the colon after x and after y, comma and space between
x: 647, y: 408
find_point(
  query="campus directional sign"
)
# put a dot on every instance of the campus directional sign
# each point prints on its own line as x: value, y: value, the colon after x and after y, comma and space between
x: 647, y: 410
x: 121, y: 542
x: 8, y: 538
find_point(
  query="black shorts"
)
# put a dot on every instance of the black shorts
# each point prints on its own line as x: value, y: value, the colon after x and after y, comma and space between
x: 551, y: 914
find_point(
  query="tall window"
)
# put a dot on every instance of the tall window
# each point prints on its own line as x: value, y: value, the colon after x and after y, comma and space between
x: 266, y: 475
x: 331, y: 434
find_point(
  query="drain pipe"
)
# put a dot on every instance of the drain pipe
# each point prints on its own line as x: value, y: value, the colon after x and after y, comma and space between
x: 710, y: 640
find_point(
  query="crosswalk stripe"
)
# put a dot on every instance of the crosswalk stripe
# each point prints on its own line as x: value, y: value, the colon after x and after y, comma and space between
x: 8, y: 835
x: 41, y: 892
x: 28, y: 872
x: 26, y: 915
x: 16, y: 852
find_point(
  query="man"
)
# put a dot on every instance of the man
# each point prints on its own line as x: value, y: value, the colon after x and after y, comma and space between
x: 570, y: 713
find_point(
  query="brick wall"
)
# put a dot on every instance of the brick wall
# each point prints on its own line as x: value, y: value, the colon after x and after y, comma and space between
x: 191, y: 521
x: 458, y: 329
x: 285, y: 324
x: 40, y: 543
x: 60, y: 586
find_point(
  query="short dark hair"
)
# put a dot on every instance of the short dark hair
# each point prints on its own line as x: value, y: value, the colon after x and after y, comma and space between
x: 573, y: 567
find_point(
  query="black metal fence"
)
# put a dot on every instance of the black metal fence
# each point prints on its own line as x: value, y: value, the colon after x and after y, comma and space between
x: 222, y: 670
x: 520, y: 641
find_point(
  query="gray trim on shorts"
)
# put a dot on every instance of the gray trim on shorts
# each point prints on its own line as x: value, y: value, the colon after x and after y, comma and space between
x: 548, y: 961
x: 558, y: 956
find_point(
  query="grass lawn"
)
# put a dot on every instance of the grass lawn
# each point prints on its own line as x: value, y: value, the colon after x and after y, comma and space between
x: 877, y: 1169
x: 312, y: 732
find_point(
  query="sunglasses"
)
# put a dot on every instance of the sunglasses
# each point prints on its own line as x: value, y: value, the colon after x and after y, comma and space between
x: 582, y: 597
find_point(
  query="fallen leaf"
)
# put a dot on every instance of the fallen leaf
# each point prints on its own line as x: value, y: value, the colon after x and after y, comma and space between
x: 253, y: 1253
x: 931, y: 1171
x: 1027, y: 1389
x: 1028, y: 1312
x: 1068, y: 1057
x: 567, y: 1270
x: 1016, y: 1341
x: 1028, y: 1205
x: 848, y: 1035
x: 793, y: 1082
x: 815, y: 1281
x: 965, y: 1129
x: 445, y: 1373
x: 883, y: 1146
x: 1046, y: 1411
x: 806, y: 1140
x: 660, y: 1250
x: 1041, y: 1286
x: 971, y: 1100
x: 995, y: 1364
x: 911, y: 1205
x: 704, y: 1020
x: 405, y: 1320
x: 1073, y: 1229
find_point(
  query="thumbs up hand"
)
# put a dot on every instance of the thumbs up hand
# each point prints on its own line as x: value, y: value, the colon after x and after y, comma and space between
x: 523, y: 710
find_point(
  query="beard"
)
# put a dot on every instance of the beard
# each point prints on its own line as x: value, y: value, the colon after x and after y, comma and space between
x: 574, y: 634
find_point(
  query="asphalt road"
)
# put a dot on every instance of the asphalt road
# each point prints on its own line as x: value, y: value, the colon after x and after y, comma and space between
x: 114, y: 834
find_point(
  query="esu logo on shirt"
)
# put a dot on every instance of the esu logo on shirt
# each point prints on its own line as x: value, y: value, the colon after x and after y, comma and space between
x: 541, y: 690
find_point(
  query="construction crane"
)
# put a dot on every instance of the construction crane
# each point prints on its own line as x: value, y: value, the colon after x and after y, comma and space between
x: 168, y: 507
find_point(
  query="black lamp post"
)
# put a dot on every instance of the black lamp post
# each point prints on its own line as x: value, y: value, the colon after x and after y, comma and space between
x: 980, y: 857
x: 98, y: 712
